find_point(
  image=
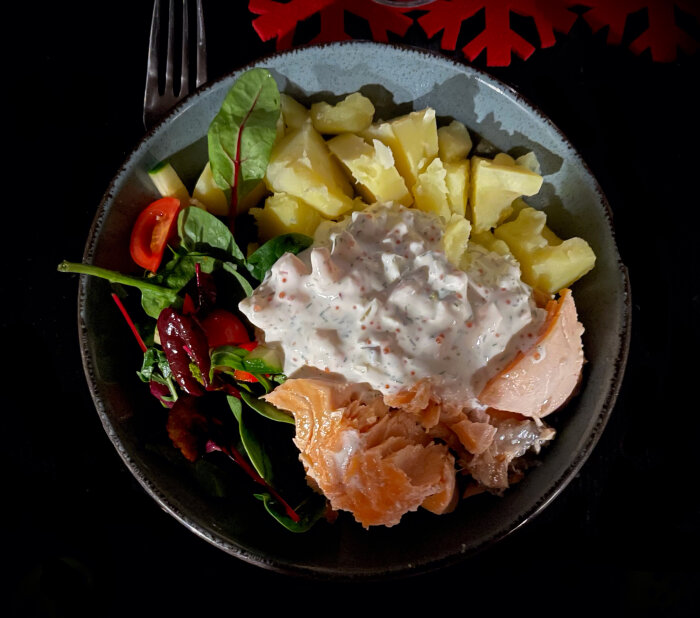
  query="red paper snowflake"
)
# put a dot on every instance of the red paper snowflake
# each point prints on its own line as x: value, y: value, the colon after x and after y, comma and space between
x: 497, y: 38
x: 280, y: 19
x: 277, y: 19
x: 662, y: 37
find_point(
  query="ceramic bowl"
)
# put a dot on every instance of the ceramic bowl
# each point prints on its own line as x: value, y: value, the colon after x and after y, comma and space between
x: 397, y: 79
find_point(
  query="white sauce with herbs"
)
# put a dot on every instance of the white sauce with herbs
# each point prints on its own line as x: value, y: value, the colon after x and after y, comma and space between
x: 376, y: 300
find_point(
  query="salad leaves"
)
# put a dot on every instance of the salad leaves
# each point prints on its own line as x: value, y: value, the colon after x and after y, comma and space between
x: 206, y: 241
x: 201, y: 231
x: 204, y: 269
x: 242, y: 134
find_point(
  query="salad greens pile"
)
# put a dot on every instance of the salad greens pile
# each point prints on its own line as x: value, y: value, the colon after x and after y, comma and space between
x: 203, y: 366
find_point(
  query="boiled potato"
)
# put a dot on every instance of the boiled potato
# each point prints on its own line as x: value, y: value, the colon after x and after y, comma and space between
x: 547, y: 263
x: 503, y: 158
x: 354, y: 113
x: 430, y: 190
x: 293, y: 113
x: 416, y: 138
x: 382, y: 132
x: 412, y: 139
x: 454, y: 142
x: 493, y: 188
x: 519, y: 205
x: 488, y: 241
x: 207, y: 192
x: 301, y: 165
x: 529, y: 161
x: 372, y: 167
x: 285, y: 214
x: 456, y: 239
x: 457, y: 182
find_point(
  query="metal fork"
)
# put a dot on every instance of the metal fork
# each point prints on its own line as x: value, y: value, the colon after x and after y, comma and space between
x: 156, y: 103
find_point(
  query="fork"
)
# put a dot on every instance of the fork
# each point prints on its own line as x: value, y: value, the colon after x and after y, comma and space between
x: 156, y: 103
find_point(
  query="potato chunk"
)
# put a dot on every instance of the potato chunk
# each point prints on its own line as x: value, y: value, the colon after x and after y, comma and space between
x: 413, y: 141
x: 529, y: 161
x: 372, y: 167
x: 294, y: 114
x: 457, y: 182
x: 285, y: 214
x: 493, y: 188
x: 207, y: 192
x: 354, y: 113
x: 416, y: 137
x: 547, y: 262
x: 430, y: 191
x: 503, y: 158
x: 488, y: 241
x: 454, y: 142
x: 302, y: 165
x: 456, y: 239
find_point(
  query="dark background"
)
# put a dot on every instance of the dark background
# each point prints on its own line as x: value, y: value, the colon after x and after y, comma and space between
x: 80, y: 536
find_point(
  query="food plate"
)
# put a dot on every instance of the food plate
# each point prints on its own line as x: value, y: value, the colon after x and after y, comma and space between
x: 397, y: 79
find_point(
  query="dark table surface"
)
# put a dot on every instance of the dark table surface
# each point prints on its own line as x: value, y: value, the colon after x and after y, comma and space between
x: 80, y: 535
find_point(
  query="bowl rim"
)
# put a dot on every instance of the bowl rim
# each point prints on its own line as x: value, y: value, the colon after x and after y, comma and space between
x: 295, y: 569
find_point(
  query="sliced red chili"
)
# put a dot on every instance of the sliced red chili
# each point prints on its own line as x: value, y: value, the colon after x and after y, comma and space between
x: 244, y: 376
x: 188, y: 307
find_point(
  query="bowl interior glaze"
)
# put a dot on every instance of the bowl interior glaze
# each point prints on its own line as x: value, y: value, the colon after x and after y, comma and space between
x: 397, y: 79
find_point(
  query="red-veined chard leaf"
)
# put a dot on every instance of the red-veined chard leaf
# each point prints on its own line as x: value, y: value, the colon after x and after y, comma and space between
x: 242, y: 134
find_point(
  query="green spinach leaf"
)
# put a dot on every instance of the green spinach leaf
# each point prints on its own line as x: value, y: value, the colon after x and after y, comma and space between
x: 261, y: 260
x: 203, y: 232
x: 253, y: 446
x: 266, y: 409
x: 233, y: 270
x: 154, y: 297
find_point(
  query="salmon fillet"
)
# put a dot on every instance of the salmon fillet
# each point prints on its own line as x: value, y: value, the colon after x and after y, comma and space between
x: 365, y: 457
x: 380, y: 457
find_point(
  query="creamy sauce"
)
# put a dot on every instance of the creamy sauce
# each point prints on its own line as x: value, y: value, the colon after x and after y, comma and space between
x: 376, y: 300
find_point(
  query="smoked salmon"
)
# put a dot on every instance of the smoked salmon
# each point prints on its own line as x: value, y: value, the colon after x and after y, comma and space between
x: 365, y: 457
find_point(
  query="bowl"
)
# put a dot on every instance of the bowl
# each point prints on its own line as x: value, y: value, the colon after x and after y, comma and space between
x: 397, y: 79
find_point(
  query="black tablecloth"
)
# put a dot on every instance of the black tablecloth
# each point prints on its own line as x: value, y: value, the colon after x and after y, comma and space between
x: 80, y: 535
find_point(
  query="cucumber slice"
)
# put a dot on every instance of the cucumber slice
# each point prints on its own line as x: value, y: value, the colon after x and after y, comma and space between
x: 207, y: 192
x: 268, y: 355
x: 168, y: 183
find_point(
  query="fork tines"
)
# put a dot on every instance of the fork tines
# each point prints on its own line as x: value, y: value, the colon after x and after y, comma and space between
x: 156, y: 101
